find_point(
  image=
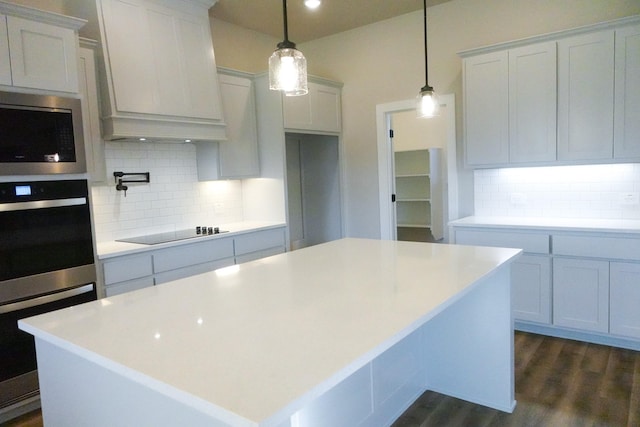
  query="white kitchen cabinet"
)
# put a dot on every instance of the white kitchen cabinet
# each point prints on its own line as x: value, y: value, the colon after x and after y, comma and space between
x: 160, y: 74
x: 585, y: 96
x: 531, y: 288
x: 156, y: 266
x: 260, y: 244
x: 237, y: 157
x: 530, y: 273
x: 581, y: 294
x: 581, y: 283
x: 318, y: 111
x: 486, y: 106
x: 38, y: 49
x: 627, y: 93
x: 624, y: 299
x: 5, y: 64
x: 416, y: 181
x: 126, y: 268
x: 532, y: 103
x: 93, y: 142
x: 552, y: 99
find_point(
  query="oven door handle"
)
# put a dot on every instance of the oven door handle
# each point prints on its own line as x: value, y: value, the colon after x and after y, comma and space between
x: 42, y: 204
x: 21, y: 305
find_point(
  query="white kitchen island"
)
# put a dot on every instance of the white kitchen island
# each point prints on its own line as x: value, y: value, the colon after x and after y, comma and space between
x: 345, y: 333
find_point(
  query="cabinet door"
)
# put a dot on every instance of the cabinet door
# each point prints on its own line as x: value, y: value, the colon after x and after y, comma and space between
x: 532, y: 103
x: 585, y: 96
x: 5, y: 65
x: 581, y: 294
x: 320, y: 110
x: 531, y: 288
x: 238, y: 156
x: 627, y: 97
x: 625, y: 299
x: 43, y: 56
x: 486, y: 107
x: 94, y: 145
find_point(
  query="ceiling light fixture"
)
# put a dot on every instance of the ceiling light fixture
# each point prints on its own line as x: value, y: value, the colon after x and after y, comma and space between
x: 287, y: 65
x: 427, y: 101
x: 312, y: 4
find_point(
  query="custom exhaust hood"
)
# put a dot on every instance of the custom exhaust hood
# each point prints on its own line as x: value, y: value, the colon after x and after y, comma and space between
x: 158, y: 78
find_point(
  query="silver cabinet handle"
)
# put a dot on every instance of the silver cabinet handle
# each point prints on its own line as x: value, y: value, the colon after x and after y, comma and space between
x: 21, y: 305
x: 42, y: 204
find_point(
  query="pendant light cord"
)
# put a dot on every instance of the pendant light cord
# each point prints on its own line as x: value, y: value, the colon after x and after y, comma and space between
x: 284, y: 14
x: 426, y: 67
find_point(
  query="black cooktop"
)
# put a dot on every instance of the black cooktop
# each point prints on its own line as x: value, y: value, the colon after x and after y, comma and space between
x: 172, y: 236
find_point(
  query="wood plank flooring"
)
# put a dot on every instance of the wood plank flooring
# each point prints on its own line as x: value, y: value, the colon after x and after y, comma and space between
x: 558, y: 383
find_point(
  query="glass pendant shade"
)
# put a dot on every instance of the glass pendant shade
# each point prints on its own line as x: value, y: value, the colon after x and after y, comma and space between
x: 288, y: 71
x: 427, y: 104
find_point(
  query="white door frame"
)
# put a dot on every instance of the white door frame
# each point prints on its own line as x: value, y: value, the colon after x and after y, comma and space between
x: 385, y: 164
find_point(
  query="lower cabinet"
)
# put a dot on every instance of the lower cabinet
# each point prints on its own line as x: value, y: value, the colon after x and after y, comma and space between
x: 570, y: 283
x: 581, y: 294
x: 131, y: 272
x: 624, y: 299
x: 531, y: 288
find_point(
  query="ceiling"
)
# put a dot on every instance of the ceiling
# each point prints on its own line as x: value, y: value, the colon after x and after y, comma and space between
x: 332, y: 17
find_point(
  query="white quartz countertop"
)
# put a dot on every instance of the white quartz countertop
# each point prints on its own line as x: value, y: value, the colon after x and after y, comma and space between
x: 111, y: 249
x: 567, y: 224
x: 255, y: 342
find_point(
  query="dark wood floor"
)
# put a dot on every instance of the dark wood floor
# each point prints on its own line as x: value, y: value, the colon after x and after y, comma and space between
x: 558, y: 383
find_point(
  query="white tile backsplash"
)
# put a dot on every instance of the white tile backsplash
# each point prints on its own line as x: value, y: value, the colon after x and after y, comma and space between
x: 585, y: 191
x: 174, y: 199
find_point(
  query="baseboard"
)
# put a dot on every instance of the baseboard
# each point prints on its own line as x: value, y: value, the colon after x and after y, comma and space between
x: 571, y: 334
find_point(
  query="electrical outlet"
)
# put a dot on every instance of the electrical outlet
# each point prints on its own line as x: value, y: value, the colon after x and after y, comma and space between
x: 630, y: 198
x: 218, y: 207
x: 518, y: 199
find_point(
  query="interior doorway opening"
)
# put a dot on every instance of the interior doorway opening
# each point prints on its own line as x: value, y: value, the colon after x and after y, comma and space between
x: 425, y: 134
x: 313, y: 189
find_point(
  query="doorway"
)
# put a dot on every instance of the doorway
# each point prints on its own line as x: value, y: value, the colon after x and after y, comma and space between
x: 313, y: 189
x: 442, y: 130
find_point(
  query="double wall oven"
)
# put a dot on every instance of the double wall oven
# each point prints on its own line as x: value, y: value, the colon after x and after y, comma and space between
x: 46, y: 263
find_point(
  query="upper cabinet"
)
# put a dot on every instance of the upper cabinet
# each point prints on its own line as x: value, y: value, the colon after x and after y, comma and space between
x: 93, y: 142
x: 627, y: 95
x: 5, y: 64
x: 532, y: 103
x: 160, y: 79
x: 318, y: 111
x: 486, y: 103
x: 562, y: 98
x: 585, y: 96
x: 38, y: 50
x: 237, y: 157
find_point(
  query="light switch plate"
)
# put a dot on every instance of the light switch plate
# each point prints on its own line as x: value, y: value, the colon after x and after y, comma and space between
x: 630, y: 198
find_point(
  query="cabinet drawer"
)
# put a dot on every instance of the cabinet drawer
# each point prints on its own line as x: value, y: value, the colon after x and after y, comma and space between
x: 597, y: 247
x: 528, y: 242
x: 131, y: 285
x: 259, y: 240
x: 198, y: 253
x: 127, y: 268
x: 259, y: 254
x: 181, y: 273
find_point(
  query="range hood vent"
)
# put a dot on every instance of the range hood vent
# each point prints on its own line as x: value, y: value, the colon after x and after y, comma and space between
x: 158, y: 77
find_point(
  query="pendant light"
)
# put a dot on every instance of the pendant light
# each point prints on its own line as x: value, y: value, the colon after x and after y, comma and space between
x: 427, y: 101
x: 287, y: 65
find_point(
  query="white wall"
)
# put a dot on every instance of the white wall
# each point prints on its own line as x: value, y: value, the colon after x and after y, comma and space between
x: 174, y: 199
x: 383, y: 62
x: 412, y: 133
x: 587, y: 191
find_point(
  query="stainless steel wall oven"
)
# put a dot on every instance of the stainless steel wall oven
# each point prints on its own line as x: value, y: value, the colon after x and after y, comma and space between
x: 46, y: 263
